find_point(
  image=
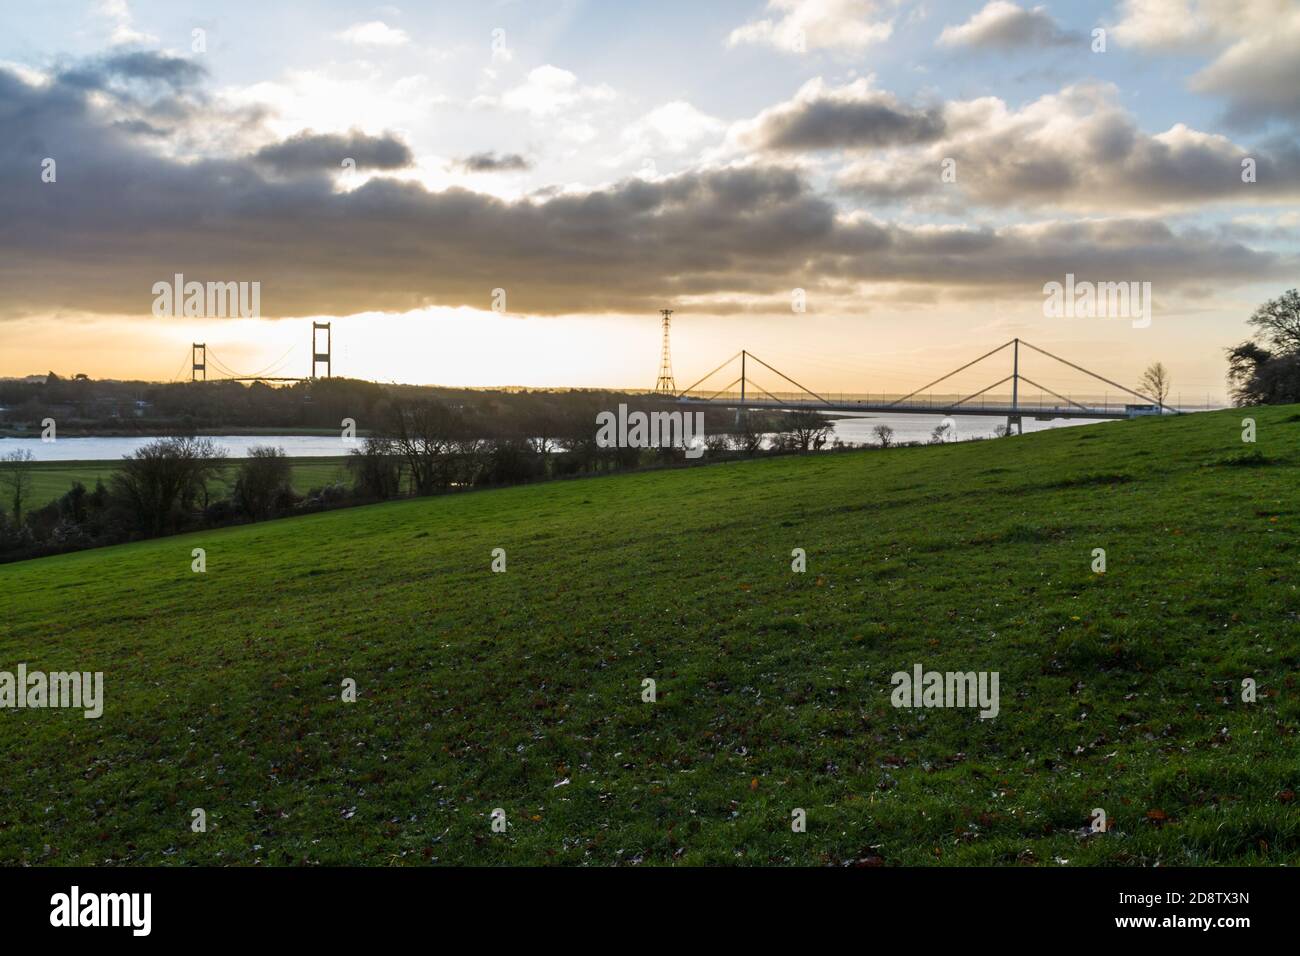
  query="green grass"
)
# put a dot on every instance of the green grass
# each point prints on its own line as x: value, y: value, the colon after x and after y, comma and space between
x: 52, y: 479
x: 481, y: 690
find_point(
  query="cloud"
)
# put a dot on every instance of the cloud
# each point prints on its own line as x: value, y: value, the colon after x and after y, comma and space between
x: 1076, y: 150
x: 492, y: 163
x: 121, y: 21
x: 1253, y: 43
x: 549, y: 90
x: 333, y: 96
x: 1259, y: 74
x: 374, y: 33
x: 98, y: 239
x: 847, y: 25
x: 671, y: 128
x: 1001, y: 25
x: 145, y: 67
x: 1173, y: 26
x: 853, y: 116
x: 309, y: 152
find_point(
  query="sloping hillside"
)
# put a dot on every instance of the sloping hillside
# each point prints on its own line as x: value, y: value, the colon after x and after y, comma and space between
x: 523, y: 690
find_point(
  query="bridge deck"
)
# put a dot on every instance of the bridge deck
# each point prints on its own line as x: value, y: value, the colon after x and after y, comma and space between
x: 999, y: 410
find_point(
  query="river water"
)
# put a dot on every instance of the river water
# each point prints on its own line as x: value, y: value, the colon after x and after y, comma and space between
x: 856, y: 430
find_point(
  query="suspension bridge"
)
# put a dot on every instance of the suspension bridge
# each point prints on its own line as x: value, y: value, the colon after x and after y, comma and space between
x: 201, y: 357
x: 744, y: 392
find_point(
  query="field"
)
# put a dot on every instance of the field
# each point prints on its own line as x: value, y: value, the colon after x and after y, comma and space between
x: 51, y: 479
x: 523, y: 690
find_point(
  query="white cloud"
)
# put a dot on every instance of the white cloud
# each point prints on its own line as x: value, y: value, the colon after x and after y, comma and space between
x: 374, y: 33
x: 123, y: 32
x: 1077, y: 150
x: 1004, y: 25
x: 674, y: 127
x: 1254, y: 43
x: 330, y: 99
x: 817, y: 24
x: 1168, y: 25
x: 549, y: 90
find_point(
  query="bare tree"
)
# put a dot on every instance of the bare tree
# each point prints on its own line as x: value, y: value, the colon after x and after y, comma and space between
x: 377, y: 468
x: 1266, y: 371
x: 884, y: 435
x: 16, y: 478
x: 808, y: 429
x: 718, y: 443
x: 1277, y: 323
x: 749, y: 438
x: 162, y: 481
x: 943, y: 432
x: 424, y: 433
x: 1155, y: 382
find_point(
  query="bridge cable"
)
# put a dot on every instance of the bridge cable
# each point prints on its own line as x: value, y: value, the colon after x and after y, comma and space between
x: 782, y: 402
x: 982, y: 391
x: 1055, y: 394
x: 788, y: 379
x: 720, y: 391
x: 1080, y: 368
x: 711, y: 374
x: 952, y: 373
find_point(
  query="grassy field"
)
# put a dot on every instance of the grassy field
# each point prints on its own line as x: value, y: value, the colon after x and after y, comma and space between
x: 51, y: 479
x: 523, y: 690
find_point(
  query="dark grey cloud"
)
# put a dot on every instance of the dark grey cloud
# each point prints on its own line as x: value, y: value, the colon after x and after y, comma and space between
x: 850, y: 117
x: 319, y: 152
x: 827, y: 125
x: 492, y: 163
x: 124, y: 215
x: 144, y: 66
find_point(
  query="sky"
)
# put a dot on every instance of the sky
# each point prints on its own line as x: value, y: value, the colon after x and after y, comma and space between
x: 864, y: 193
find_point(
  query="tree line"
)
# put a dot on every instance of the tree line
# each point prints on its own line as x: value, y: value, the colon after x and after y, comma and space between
x: 417, y: 445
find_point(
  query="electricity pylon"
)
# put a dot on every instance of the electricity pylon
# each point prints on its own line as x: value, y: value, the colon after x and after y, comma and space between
x: 665, y: 385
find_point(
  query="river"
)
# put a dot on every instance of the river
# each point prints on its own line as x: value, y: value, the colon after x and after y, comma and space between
x: 857, y: 430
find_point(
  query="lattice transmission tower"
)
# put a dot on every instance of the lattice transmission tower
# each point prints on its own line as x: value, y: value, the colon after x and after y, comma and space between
x: 665, y: 385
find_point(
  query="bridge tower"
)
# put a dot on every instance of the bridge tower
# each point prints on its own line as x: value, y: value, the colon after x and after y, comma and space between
x: 1014, y: 420
x: 198, y: 361
x: 317, y: 356
x: 665, y: 385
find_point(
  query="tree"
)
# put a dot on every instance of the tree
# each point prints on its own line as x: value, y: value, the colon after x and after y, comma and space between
x: 16, y: 479
x: 1277, y: 323
x: 943, y: 432
x: 423, y: 432
x: 377, y: 468
x: 808, y: 429
x: 263, y: 481
x: 1266, y: 370
x: 160, y: 483
x: 750, y: 436
x: 884, y: 435
x: 1155, y: 382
